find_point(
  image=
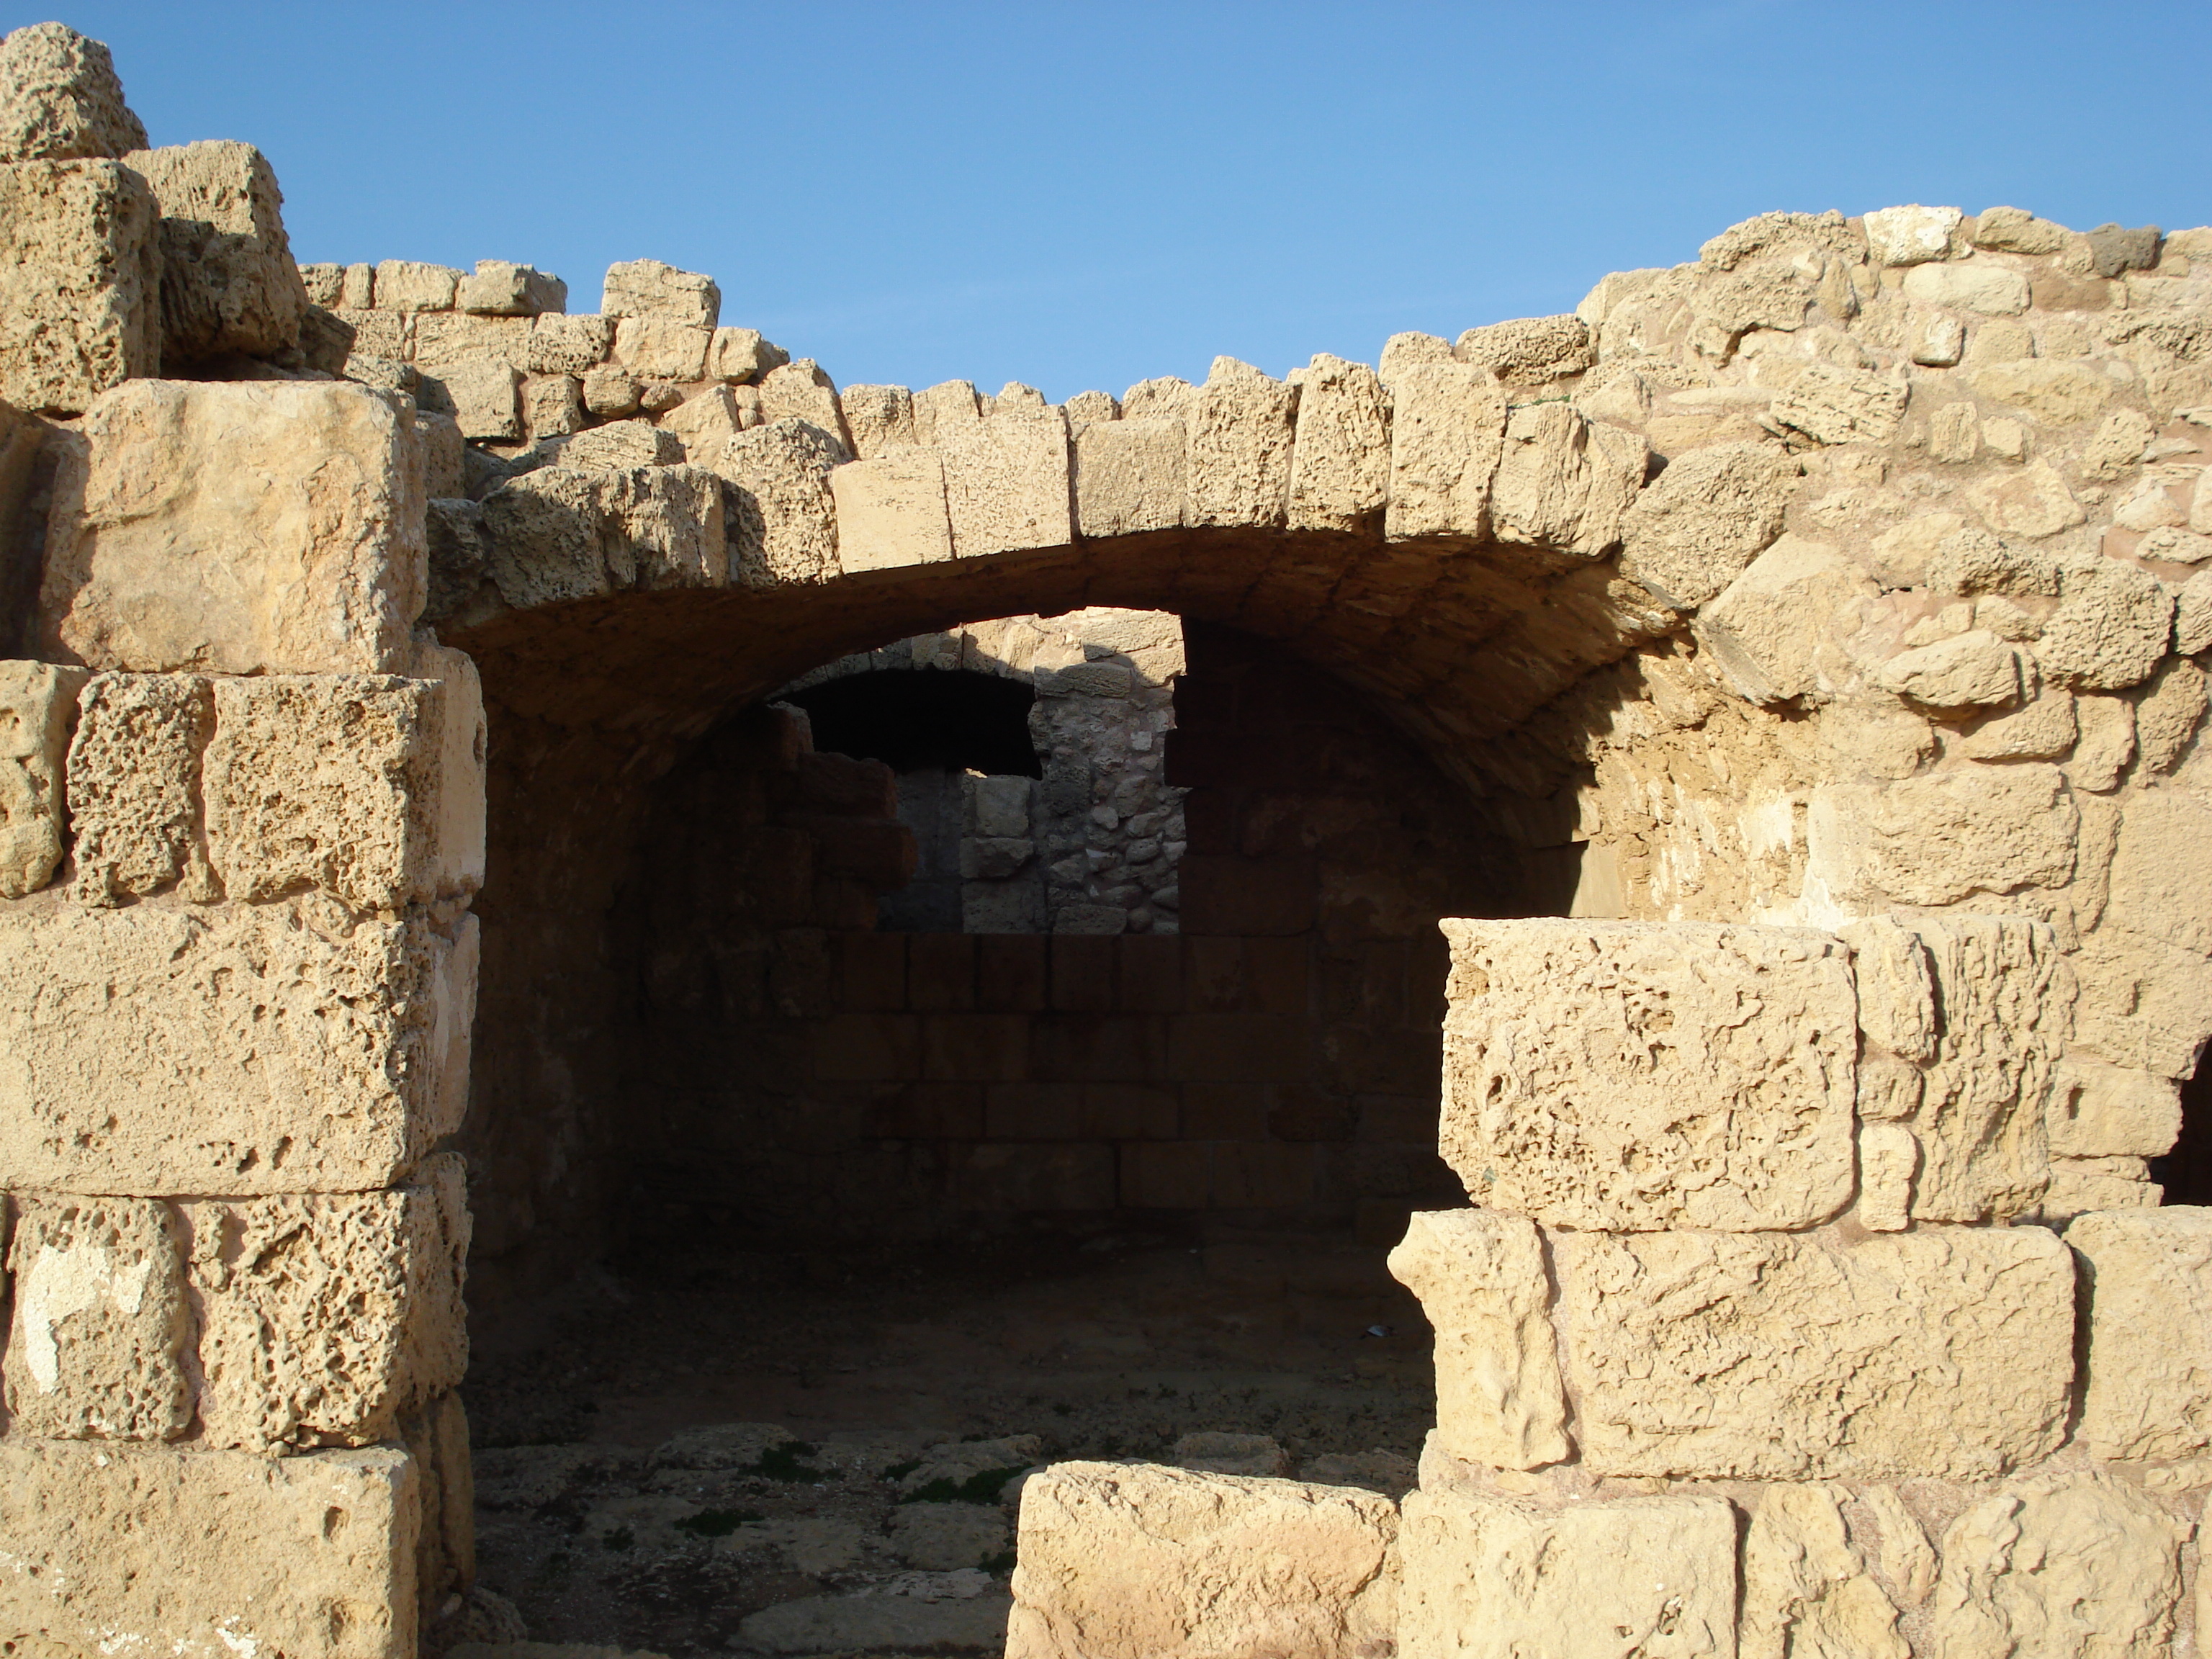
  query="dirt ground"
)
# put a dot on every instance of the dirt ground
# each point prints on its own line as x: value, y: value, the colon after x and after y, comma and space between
x: 781, y: 1454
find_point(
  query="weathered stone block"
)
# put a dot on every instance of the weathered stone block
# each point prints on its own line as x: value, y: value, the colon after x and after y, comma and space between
x: 569, y: 345
x: 1529, y: 351
x: 1563, y: 481
x: 1832, y: 405
x: 134, y: 786
x: 620, y: 445
x: 1640, y: 1075
x: 1121, y: 1558
x: 785, y: 523
x: 200, y: 1553
x: 563, y: 533
x: 2097, y: 1110
x: 228, y: 279
x: 647, y: 288
x: 1806, y: 1589
x: 60, y: 100
x: 80, y: 299
x: 801, y: 392
x: 1241, y: 426
x: 2148, y: 1275
x: 1946, y: 1351
x: 1484, y: 1286
x: 1776, y: 629
x: 1340, y: 449
x: 661, y: 348
x: 38, y: 706
x: 243, y: 528
x: 739, y: 355
x: 1939, y: 839
x: 1447, y: 434
x: 500, y: 288
x: 705, y: 422
x: 1005, y: 482
x: 485, y: 396
x: 1489, y: 1577
x: 275, y: 1047
x: 890, y: 511
x: 1697, y: 525
x: 1129, y: 476
x: 96, y: 1347
x: 444, y: 341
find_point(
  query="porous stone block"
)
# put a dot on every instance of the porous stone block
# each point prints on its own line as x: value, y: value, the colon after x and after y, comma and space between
x: 1699, y: 524
x: 619, y: 444
x: 2148, y: 1278
x: 227, y: 280
x: 878, y: 418
x: 739, y: 355
x: 60, y: 100
x: 1946, y: 1351
x: 1340, y: 448
x: 1447, y: 435
x: 2160, y: 857
x: 1490, y: 1577
x: 1910, y: 235
x: 569, y: 345
x: 562, y: 533
x: 2099, y: 1110
x: 801, y: 392
x: 1005, y: 482
x: 38, y: 707
x: 134, y: 786
x: 1806, y: 1589
x: 1564, y: 481
x: 1832, y: 405
x: 2112, y: 626
x: 411, y: 285
x: 500, y: 288
x: 1957, y: 678
x: 1241, y: 426
x: 890, y: 511
x: 209, y: 1554
x: 242, y: 528
x: 1947, y: 836
x: 784, y: 522
x: 1639, y: 1075
x: 80, y: 282
x: 324, y: 1316
x: 705, y: 422
x: 1529, y: 351
x: 486, y: 398
x: 1123, y: 1558
x: 368, y: 788
x: 274, y: 1048
x: 661, y: 348
x: 552, y: 406
x: 96, y: 1345
x: 1484, y: 1286
x: 443, y: 341
x: 1129, y: 476
x: 647, y: 288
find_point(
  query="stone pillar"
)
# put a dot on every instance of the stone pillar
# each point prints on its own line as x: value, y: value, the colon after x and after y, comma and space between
x: 244, y: 824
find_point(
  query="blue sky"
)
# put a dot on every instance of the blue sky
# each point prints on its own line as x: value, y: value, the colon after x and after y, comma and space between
x: 1084, y: 195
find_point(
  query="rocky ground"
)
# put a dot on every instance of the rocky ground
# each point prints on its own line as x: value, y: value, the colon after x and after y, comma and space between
x: 812, y: 1455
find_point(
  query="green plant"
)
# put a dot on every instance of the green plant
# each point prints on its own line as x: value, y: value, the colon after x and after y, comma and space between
x: 900, y: 1471
x: 715, y: 1523
x: 786, y: 1461
x: 982, y: 1488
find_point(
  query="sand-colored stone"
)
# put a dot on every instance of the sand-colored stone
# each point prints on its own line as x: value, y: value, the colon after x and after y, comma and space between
x: 1340, y: 457
x: 706, y: 421
x: 1968, y: 674
x: 1005, y: 482
x: 1777, y: 628
x: 2101, y: 1110
x: 1488, y: 1577
x: 1641, y: 1075
x: 2114, y: 623
x: 1529, y: 351
x: 1833, y: 405
x: 2147, y: 1275
x: 1945, y: 837
x: 801, y: 392
x: 227, y: 280
x: 569, y: 345
x: 564, y: 533
x: 134, y: 786
x: 1241, y: 426
x: 1447, y: 435
x: 60, y: 100
x: 300, y: 1556
x: 1697, y: 525
x: 501, y: 287
x: 781, y: 515
x: 38, y: 707
x: 276, y: 1047
x: 1130, y: 476
x: 1943, y: 1351
x: 648, y: 288
x: 237, y: 529
x: 1140, y: 1559
x: 662, y: 349
x: 620, y: 445
x: 79, y: 298
x: 1805, y: 1591
x: 1563, y: 481
x: 890, y: 511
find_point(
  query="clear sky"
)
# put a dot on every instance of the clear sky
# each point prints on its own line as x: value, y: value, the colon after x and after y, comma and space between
x: 1084, y: 195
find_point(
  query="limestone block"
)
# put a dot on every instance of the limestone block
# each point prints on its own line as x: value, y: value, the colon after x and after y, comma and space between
x: 1340, y: 454
x: 2111, y: 629
x: 1132, y: 1559
x: 662, y: 349
x: 2075, y: 1563
x: 2148, y: 1279
x: 890, y: 511
x: 1988, y: 290
x: 784, y: 522
x: 2142, y: 1000
x: 1910, y: 235
x: 552, y: 407
x: 1489, y: 1577
x: 610, y: 393
x: 1634, y: 1075
x: 1777, y: 628
x: 60, y: 100
x: 801, y: 392
x: 1939, y: 839
x: 487, y: 399
x: 2015, y: 230
x: 239, y: 528
x: 324, y: 1316
x: 355, y: 785
x: 96, y: 1345
x: 1005, y: 482
x: 134, y: 786
x: 2159, y: 863
x: 1896, y: 987
x: 2032, y: 500
x: 445, y: 340
x: 2051, y: 392
x: 1563, y: 481
x: 740, y: 355
x: 411, y: 285
x: 1945, y: 1352
x: 1960, y: 676
x: 500, y: 288
x: 2102, y: 1110
x: 2081, y: 1185
x: 1889, y: 1158
x: 878, y: 418
x: 1447, y: 434
x: 569, y: 345
x: 648, y: 289
x: 1696, y: 526
x: 2192, y: 612
x: 1482, y: 1282
x: 2045, y: 730
x: 620, y: 446
x: 273, y: 1048
x: 1129, y: 476
x: 1241, y: 426
x: 947, y: 406
x: 209, y: 1554
x: 80, y: 282
x: 1805, y: 1591
x: 1832, y: 405
x: 38, y: 706
x: 2166, y: 720
x: 1529, y: 351
x: 228, y: 279
x: 705, y: 422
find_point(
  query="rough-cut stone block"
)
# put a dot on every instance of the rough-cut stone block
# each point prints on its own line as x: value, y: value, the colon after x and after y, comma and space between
x: 2062, y: 1564
x: 80, y: 282
x: 324, y: 1316
x: 1702, y: 521
x: 1638, y: 1075
x: 444, y: 341
x: 1806, y: 1589
x: 261, y: 1048
x: 1940, y: 838
x: 1776, y: 629
x: 890, y: 511
x: 2159, y: 865
x: 878, y: 418
x: 2148, y: 1273
x: 500, y: 288
x: 801, y: 392
x: 620, y: 445
x: 411, y: 285
x: 705, y: 422
x: 1241, y: 426
x: 244, y: 528
x: 60, y: 100
x: 228, y: 279
x: 2112, y: 626
x: 38, y: 706
x: 784, y: 522
x: 647, y: 288
x: 1563, y: 481
x: 660, y: 349
x: 1340, y: 452
x: 209, y: 1555
x: 1447, y: 434
x: 1946, y: 1351
x: 1131, y: 1558
x: 1129, y: 476
x: 1832, y: 405
x: 364, y: 786
x: 1529, y: 351
x: 569, y: 345
x: 134, y: 786
x: 1005, y: 482
x: 96, y: 1347
x: 1483, y: 1284
x: 740, y: 355
x: 2097, y: 1110
x: 486, y: 396
x: 561, y: 533
x: 1488, y: 1577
